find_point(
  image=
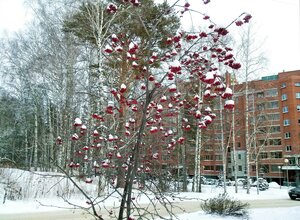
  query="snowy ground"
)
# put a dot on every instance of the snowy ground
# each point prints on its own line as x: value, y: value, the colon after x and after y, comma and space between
x: 33, y: 203
x: 255, y: 214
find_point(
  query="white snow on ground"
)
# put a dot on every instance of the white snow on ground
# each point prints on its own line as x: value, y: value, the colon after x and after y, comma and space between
x: 291, y: 213
x: 43, y: 189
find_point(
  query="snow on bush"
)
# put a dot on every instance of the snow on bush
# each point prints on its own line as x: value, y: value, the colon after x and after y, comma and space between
x: 224, y: 205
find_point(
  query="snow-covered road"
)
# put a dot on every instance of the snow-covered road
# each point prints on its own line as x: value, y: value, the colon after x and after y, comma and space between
x: 187, y: 206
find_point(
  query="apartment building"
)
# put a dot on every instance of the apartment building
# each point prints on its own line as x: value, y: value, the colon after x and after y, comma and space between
x: 267, y: 123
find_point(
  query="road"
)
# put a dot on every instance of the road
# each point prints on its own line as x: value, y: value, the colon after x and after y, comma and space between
x: 188, y: 206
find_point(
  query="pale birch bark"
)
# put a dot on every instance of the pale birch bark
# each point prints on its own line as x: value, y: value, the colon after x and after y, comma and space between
x: 253, y: 61
x: 233, y: 144
x: 197, y: 175
x: 35, y: 157
x: 223, y: 147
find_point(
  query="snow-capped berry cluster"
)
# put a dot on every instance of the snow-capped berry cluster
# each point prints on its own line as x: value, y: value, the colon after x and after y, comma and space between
x: 112, y: 8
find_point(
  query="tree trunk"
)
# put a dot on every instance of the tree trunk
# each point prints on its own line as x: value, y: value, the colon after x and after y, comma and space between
x: 50, y: 138
x: 234, y: 147
x: 197, y: 176
x: 223, y: 147
x: 35, y: 157
x: 247, y: 137
x: 26, y: 150
x: 133, y: 164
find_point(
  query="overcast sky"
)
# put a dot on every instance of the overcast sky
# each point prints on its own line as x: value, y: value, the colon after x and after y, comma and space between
x: 12, y: 15
x: 277, y: 22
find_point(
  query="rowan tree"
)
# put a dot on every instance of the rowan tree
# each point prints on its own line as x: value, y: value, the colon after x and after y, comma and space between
x: 144, y: 70
x: 144, y: 60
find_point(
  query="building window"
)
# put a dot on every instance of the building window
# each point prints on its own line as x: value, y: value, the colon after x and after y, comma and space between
x: 260, y: 106
x: 274, y: 117
x: 238, y: 144
x: 260, y: 95
x: 292, y: 161
x: 219, y: 168
x: 208, y: 168
x: 264, y: 169
x: 207, y: 157
x: 240, y: 168
x: 297, y: 84
x: 272, y: 93
x: 239, y: 156
x: 262, y: 142
x: 283, y: 85
x: 285, y: 109
x: 287, y: 135
x: 273, y: 105
x: 274, y: 168
x: 286, y: 122
x: 297, y: 95
x: 275, y: 129
x: 275, y: 142
x: 261, y: 118
x: 250, y: 97
x: 250, y: 108
x: 284, y: 97
x: 288, y: 148
x: 262, y: 130
x: 253, y: 168
x: 218, y: 157
x: 299, y: 121
x: 298, y: 108
x: 276, y: 154
x: 264, y: 155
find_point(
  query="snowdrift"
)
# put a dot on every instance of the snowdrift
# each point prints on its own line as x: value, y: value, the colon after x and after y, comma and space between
x: 16, y: 184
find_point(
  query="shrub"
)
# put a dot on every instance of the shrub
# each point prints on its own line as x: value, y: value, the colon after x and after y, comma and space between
x: 225, y: 206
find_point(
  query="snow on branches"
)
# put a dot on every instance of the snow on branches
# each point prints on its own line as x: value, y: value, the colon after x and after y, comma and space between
x: 158, y: 79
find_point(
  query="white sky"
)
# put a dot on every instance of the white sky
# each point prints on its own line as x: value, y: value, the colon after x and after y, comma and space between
x: 277, y: 22
x: 12, y: 15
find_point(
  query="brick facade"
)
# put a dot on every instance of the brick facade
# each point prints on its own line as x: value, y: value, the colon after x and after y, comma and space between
x: 273, y: 127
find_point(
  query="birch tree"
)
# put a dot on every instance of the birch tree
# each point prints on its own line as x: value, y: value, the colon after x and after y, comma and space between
x: 253, y: 61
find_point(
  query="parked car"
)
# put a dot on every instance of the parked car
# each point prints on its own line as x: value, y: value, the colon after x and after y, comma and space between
x: 209, y: 181
x: 240, y: 182
x: 294, y: 193
x: 261, y: 183
x: 191, y: 179
x: 220, y: 182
